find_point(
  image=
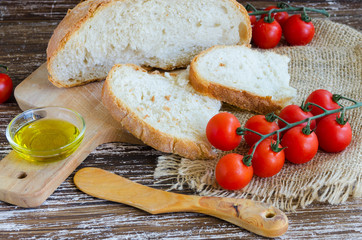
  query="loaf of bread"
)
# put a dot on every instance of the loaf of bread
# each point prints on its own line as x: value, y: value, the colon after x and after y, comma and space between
x: 164, y: 34
x: 249, y: 79
x: 163, y: 110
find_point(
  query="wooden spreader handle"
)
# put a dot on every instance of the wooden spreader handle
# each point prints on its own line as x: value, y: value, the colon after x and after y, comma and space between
x: 257, y: 217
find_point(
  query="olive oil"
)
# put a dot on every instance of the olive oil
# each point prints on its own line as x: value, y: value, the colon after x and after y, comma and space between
x: 46, y: 135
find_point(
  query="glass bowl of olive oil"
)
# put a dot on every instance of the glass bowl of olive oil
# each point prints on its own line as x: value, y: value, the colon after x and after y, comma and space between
x: 46, y: 134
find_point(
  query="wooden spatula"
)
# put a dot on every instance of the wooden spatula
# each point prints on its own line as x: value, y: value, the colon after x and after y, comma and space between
x: 256, y: 217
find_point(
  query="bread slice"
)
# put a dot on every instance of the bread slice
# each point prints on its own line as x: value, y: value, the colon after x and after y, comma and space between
x: 249, y: 79
x: 164, y: 34
x: 163, y: 110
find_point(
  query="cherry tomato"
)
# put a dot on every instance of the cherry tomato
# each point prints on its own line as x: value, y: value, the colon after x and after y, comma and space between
x: 221, y: 131
x: 300, y: 147
x: 294, y: 113
x: 266, y: 162
x: 259, y: 124
x: 333, y: 136
x: 322, y: 98
x: 252, y: 18
x: 298, y: 32
x: 280, y: 17
x: 6, y: 87
x: 266, y: 35
x: 231, y: 173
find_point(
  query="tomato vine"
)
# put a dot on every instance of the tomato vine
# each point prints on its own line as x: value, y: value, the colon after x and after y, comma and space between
x: 340, y: 119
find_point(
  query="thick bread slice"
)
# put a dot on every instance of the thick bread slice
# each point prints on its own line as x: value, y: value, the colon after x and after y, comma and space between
x: 163, y: 110
x: 164, y: 34
x: 249, y: 79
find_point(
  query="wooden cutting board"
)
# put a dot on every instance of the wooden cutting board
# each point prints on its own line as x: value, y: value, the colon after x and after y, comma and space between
x: 29, y: 184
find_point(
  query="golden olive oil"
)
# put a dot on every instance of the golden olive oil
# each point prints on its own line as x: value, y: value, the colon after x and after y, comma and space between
x: 46, y: 135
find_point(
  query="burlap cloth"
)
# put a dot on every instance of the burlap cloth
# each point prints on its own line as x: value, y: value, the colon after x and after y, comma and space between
x: 331, y: 61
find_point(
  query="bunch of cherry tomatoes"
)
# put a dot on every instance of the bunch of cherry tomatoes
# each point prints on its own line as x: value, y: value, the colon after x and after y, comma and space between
x: 275, y: 22
x: 318, y: 123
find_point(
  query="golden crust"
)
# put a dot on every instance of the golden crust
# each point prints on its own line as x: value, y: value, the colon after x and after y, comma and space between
x: 81, y: 13
x: 242, y: 99
x: 76, y: 83
x: 148, y: 134
x: 244, y: 40
x: 71, y: 23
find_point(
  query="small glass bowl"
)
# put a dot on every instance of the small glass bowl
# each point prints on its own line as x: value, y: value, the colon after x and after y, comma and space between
x: 46, y: 113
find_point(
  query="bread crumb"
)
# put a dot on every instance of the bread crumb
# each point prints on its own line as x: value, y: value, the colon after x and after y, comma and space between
x: 222, y: 65
x: 153, y: 98
x: 166, y: 108
x: 146, y: 116
x: 168, y: 97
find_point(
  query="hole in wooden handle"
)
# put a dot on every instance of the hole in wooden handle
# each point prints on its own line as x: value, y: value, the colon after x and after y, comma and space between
x: 270, y: 214
x: 22, y: 175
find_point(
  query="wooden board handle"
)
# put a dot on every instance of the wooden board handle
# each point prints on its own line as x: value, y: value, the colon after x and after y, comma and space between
x: 257, y: 217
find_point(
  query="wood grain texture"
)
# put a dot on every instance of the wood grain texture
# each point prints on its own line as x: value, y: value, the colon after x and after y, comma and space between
x: 25, y: 28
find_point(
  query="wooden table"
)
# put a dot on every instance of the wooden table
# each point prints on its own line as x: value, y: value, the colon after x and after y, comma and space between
x: 25, y: 28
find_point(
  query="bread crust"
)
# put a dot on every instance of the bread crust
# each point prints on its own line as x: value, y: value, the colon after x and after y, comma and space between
x: 85, y: 10
x: 148, y: 134
x: 71, y: 23
x: 242, y: 99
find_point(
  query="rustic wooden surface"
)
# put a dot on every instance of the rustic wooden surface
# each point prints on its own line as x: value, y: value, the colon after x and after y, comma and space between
x: 25, y: 28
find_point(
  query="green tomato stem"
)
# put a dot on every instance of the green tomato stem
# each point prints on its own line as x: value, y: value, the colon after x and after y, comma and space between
x: 283, y: 5
x: 337, y: 97
x: 241, y: 131
x: 250, y: 7
x: 305, y: 16
x: 5, y: 67
x: 281, y: 119
x: 313, y: 104
x: 269, y: 18
x: 341, y: 120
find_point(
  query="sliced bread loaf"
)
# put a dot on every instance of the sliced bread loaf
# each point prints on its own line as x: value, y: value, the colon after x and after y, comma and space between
x: 163, y: 110
x: 250, y: 79
x: 164, y: 34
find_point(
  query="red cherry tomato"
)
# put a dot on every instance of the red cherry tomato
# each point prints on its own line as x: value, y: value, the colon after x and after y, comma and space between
x: 294, y: 113
x: 252, y: 18
x: 221, y: 131
x: 6, y: 87
x: 298, y: 32
x: 266, y: 162
x: 259, y: 124
x: 266, y: 35
x: 333, y: 136
x: 231, y: 173
x: 280, y: 17
x: 300, y: 147
x: 322, y: 98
